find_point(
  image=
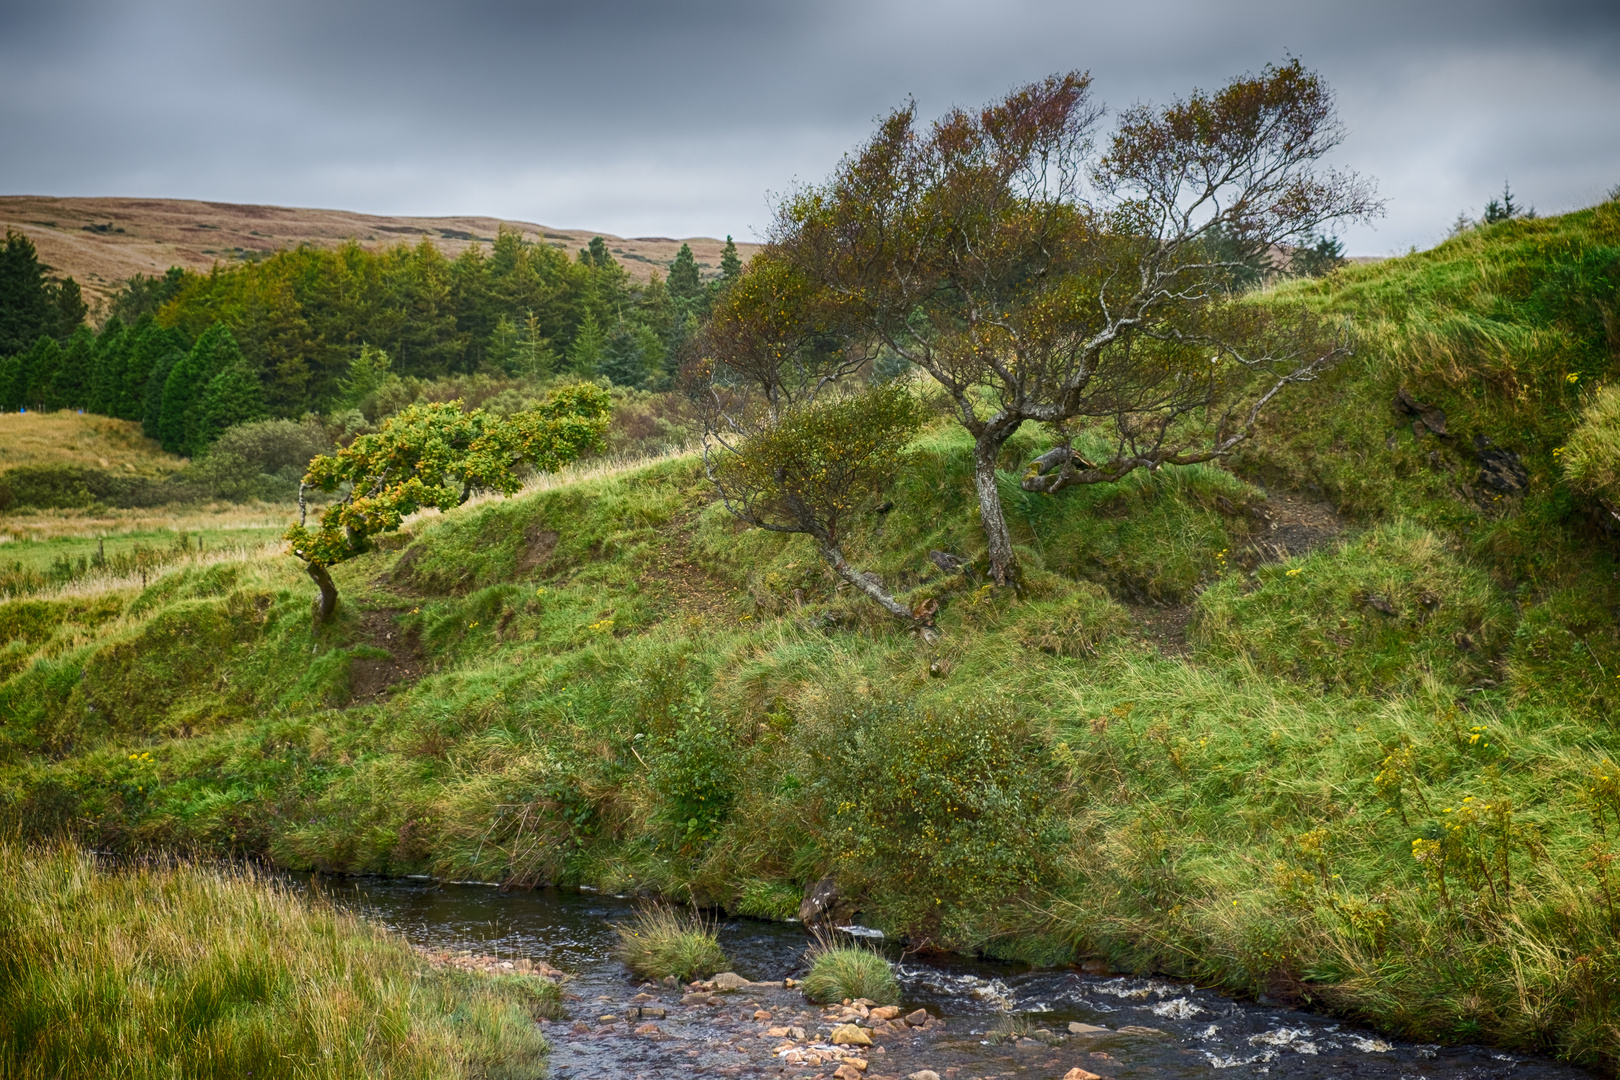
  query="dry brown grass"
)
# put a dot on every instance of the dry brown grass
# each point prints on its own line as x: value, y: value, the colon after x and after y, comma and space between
x: 71, y: 438
x: 159, y: 233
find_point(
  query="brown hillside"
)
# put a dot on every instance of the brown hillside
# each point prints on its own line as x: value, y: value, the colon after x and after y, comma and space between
x: 102, y: 241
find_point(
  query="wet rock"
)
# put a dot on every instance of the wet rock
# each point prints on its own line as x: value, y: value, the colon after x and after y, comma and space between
x: 923, y: 1074
x: 1077, y: 1028
x: 846, y: 1071
x: 1138, y: 1029
x: 819, y: 901
x: 700, y: 998
x: 580, y: 1028
x: 850, y: 1035
x: 885, y: 1012
x: 918, y: 1018
x: 647, y: 1029
x: 645, y: 1012
x: 777, y: 1033
x: 1078, y: 1073
x: 728, y: 980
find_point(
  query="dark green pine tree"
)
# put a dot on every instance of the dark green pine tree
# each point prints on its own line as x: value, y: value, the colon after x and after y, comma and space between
x: 156, y: 350
x: 27, y: 307
x: 70, y: 383
x: 730, y: 263
x: 684, y: 285
x: 233, y: 396
x: 585, y: 351
x: 107, y: 371
x: 186, y: 383
x: 36, y: 375
x: 70, y: 307
x: 622, y: 358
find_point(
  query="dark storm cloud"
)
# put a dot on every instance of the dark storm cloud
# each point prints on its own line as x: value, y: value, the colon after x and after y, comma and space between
x: 644, y: 117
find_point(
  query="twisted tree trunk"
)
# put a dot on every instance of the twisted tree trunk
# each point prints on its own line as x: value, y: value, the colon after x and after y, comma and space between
x: 326, y: 602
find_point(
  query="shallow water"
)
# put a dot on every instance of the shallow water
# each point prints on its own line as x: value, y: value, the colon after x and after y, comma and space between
x: 1178, y: 1030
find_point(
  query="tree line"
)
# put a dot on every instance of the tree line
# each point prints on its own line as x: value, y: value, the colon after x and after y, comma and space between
x: 189, y: 355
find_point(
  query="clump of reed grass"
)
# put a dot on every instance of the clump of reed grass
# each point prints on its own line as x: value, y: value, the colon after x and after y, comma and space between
x: 189, y: 971
x: 661, y: 941
x: 844, y: 968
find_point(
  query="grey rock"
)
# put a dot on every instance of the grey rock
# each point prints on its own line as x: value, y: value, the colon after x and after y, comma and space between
x: 819, y: 901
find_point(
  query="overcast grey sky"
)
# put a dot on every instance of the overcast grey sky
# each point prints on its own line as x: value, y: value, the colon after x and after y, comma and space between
x: 656, y: 117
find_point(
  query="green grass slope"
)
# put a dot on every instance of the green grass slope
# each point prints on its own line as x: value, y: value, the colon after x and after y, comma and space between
x: 1379, y: 779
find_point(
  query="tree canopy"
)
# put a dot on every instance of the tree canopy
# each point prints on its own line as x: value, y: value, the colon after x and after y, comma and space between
x: 1039, y: 275
x: 436, y: 455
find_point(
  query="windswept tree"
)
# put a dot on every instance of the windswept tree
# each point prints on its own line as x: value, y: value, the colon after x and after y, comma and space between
x: 1038, y: 277
x: 435, y: 455
x: 789, y: 447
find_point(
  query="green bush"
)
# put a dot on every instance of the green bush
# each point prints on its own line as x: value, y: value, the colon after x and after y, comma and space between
x: 693, y: 771
x: 941, y: 814
x: 839, y: 972
x: 262, y: 460
x: 71, y: 487
x: 660, y: 942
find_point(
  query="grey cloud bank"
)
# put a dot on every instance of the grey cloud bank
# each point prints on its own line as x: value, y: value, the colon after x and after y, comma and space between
x: 679, y: 119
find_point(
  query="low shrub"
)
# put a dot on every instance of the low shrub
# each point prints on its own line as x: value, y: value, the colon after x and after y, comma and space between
x: 846, y: 970
x: 660, y: 942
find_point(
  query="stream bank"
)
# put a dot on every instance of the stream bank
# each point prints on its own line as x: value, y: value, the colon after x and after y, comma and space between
x: 988, y: 1019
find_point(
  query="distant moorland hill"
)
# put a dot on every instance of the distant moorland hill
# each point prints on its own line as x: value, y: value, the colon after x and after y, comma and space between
x: 103, y: 241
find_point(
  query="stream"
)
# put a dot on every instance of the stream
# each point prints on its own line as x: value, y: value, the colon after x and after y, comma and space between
x: 998, y: 1020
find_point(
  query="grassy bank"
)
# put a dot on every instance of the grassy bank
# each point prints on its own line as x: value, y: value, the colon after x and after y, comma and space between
x: 196, y: 972
x: 1361, y: 759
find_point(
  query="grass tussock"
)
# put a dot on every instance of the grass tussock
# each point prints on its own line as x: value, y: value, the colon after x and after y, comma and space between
x: 843, y: 970
x: 661, y: 941
x: 182, y: 970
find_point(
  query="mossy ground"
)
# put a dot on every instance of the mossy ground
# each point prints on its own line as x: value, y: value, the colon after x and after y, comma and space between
x: 1379, y: 778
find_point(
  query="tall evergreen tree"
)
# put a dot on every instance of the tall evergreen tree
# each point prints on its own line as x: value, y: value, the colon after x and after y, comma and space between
x: 108, y: 369
x: 36, y: 376
x: 685, y: 285
x: 585, y: 351
x: 187, y: 382
x: 154, y: 351
x: 232, y: 397
x: 27, y: 309
x: 730, y: 263
x: 70, y: 383
x: 71, y: 309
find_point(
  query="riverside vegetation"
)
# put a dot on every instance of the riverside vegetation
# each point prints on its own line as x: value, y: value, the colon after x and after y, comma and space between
x: 179, y: 970
x: 1377, y: 776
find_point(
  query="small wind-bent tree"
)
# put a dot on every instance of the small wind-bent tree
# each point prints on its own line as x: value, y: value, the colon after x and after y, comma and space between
x: 435, y: 455
x: 815, y: 468
x: 787, y: 446
x: 1037, y: 279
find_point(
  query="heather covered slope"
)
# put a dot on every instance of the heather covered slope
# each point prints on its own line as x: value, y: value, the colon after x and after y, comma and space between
x: 1332, y: 725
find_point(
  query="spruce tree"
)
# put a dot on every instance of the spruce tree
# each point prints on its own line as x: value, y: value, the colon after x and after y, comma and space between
x: 187, y: 381
x: 68, y: 300
x: 154, y: 352
x: 26, y: 307
x: 233, y: 396
x: 36, y: 376
x: 585, y: 351
x: 684, y: 284
x: 730, y: 263
x: 622, y: 359
x: 108, y: 369
x: 70, y: 383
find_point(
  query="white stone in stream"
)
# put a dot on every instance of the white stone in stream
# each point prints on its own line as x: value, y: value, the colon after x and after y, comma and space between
x: 1080, y: 1074
x: 923, y: 1074
x: 728, y: 980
